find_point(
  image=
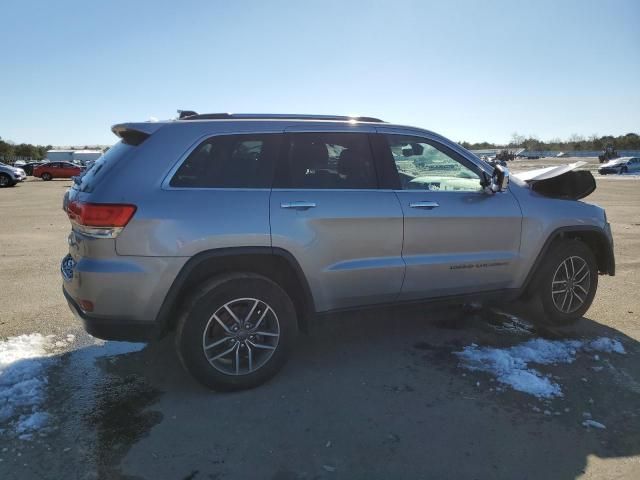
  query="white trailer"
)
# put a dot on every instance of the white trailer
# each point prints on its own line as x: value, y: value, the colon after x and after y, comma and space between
x: 87, y: 155
x: 60, y: 155
x: 82, y: 156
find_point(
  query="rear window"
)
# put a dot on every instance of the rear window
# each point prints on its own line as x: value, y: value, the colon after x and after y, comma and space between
x: 230, y: 161
x: 91, y: 177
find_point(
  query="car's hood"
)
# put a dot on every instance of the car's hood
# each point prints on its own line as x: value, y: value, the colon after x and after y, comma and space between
x: 548, y: 172
x: 615, y: 163
x: 562, y: 181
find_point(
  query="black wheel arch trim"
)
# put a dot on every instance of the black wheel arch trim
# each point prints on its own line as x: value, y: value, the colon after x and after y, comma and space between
x: 163, y: 319
x: 605, y: 243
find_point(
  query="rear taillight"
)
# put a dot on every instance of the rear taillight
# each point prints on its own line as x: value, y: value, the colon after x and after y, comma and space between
x: 104, y: 220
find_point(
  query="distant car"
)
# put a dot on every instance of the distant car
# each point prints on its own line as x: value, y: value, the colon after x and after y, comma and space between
x: 50, y: 170
x: 621, y: 165
x: 9, y: 175
x: 28, y: 167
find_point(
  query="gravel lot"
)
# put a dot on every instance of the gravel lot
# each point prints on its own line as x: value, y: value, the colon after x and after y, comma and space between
x: 375, y: 394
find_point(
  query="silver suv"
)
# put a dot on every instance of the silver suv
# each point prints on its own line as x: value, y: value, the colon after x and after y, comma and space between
x: 236, y: 230
x: 9, y: 175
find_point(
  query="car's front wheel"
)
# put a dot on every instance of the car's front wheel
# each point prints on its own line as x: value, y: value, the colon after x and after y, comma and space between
x: 566, y: 282
x: 5, y: 180
x: 46, y: 176
x: 236, y: 331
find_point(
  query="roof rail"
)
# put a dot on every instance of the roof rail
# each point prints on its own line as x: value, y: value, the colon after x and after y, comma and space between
x: 190, y: 115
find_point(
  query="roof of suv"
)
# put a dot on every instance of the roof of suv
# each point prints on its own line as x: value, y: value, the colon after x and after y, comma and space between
x: 140, y: 130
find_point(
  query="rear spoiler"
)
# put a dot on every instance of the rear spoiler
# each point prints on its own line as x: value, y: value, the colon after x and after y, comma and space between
x: 135, y: 133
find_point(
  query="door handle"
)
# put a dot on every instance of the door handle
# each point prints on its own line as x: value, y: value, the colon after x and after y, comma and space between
x: 298, y: 205
x: 426, y: 205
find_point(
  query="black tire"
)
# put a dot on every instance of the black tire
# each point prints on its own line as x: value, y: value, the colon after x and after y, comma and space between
x: 196, y: 323
x: 624, y: 170
x: 5, y: 181
x: 552, y: 268
x: 46, y: 176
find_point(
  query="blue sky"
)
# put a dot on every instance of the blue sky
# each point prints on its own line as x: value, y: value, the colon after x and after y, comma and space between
x: 469, y: 70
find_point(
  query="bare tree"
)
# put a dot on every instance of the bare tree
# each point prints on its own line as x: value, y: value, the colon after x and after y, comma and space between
x: 516, y: 139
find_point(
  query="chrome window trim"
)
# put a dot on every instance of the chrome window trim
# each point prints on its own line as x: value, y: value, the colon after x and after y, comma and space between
x: 330, y: 128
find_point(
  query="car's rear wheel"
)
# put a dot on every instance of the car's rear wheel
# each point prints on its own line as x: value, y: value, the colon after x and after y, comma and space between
x: 236, y: 331
x: 46, y: 176
x: 5, y: 180
x: 566, y: 282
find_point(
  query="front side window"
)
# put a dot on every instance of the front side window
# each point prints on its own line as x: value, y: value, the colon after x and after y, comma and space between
x: 329, y: 161
x: 229, y: 161
x: 424, y: 166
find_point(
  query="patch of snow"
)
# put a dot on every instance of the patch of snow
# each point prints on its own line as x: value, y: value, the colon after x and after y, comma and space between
x: 606, y: 345
x: 32, y: 422
x: 22, y: 373
x: 24, y: 361
x: 594, y: 424
x: 510, y: 365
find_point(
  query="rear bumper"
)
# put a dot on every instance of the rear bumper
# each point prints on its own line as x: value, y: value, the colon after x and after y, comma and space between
x: 119, y: 287
x: 112, y: 329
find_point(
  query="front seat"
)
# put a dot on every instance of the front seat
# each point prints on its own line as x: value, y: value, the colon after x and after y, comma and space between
x: 309, y: 163
x: 354, y: 172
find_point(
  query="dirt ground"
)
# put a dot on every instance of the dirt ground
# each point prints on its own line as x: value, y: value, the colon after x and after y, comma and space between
x: 375, y: 394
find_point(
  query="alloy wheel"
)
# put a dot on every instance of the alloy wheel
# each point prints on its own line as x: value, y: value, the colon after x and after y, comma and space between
x: 570, y: 284
x: 241, y: 336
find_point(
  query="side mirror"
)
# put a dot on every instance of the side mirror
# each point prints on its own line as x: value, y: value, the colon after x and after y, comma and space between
x: 499, y: 179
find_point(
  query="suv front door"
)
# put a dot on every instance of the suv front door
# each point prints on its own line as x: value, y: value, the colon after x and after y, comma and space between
x: 328, y: 212
x: 458, y: 239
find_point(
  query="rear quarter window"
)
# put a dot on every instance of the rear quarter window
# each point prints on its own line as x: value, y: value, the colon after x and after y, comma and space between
x: 230, y: 161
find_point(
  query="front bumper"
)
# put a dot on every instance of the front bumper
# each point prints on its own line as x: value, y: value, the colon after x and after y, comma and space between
x: 606, y: 171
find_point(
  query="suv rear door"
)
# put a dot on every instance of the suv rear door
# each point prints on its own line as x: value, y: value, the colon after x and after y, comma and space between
x: 458, y: 239
x: 327, y: 210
